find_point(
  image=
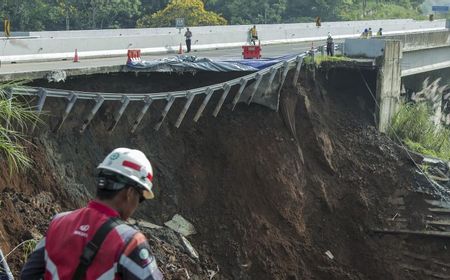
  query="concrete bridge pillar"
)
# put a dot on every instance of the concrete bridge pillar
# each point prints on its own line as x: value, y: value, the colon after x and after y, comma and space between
x: 388, y: 83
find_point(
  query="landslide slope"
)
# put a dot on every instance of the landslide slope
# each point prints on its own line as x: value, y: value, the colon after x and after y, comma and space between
x: 269, y: 192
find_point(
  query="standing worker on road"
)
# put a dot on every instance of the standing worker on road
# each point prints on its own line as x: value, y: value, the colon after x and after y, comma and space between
x: 253, y: 35
x: 318, y: 23
x: 380, y: 32
x: 330, y: 45
x: 365, y: 34
x: 93, y: 242
x: 188, y: 35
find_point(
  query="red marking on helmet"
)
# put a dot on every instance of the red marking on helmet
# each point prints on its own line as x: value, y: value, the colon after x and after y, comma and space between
x: 136, y: 167
x: 150, y: 176
x: 132, y: 165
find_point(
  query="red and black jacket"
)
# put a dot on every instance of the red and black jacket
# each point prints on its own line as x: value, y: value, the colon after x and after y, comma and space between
x: 124, y: 254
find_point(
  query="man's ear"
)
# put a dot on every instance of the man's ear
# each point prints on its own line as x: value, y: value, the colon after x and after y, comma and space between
x: 124, y: 194
x: 129, y: 193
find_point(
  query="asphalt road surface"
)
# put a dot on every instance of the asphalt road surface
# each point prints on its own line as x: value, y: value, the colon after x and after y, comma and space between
x: 8, y: 69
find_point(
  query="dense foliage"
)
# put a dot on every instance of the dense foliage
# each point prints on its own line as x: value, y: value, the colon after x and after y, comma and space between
x: 29, y: 15
x: 193, y: 12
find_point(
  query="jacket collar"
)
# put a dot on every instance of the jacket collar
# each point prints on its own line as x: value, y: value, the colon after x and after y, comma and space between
x: 103, y: 208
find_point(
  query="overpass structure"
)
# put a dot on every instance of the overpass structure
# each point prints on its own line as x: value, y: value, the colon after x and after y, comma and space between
x: 424, y: 52
x: 37, y: 55
x: 44, y: 46
x: 400, y: 56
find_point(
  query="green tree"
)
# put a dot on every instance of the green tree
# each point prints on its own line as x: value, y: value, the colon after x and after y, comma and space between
x: 193, y: 12
x: 36, y: 15
x: 26, y: 15
x: 374, y: 10
x: 308, y: 10
x: 152, y: 6
x: 250, y: 11
x: 110, y: 13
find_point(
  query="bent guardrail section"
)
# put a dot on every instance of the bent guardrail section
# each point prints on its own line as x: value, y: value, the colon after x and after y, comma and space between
x: 264, y: 83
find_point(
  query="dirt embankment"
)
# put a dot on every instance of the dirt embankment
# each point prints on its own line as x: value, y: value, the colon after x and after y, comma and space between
x: 269, y: 193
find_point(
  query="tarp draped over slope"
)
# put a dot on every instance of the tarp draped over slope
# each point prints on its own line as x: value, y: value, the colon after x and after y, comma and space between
x: 184, y: 63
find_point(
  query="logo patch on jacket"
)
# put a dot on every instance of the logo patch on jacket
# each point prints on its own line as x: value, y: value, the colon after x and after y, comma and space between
x: 82, y: 231
x: 143, y: 254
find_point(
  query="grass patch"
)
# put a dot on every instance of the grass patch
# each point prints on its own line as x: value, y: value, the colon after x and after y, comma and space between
x: 28, y: 248
x: 321, y: 58
x: 15, y: 117
x: 318, y: 59
x: 413, y: 125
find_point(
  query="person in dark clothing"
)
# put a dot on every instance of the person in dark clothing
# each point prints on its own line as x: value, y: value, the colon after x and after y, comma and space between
x: 330, y: 45
x: 188, y: 35
x: 318, y: 22
x: 380, y: 32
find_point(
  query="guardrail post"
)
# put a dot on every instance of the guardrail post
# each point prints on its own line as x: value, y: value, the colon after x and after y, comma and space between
x: 299, y: 61
x: 99, y: 101
x: 226, y: 90
x: 284, y: 75
x: 273, y: 72
x: 190, y: 98
x: 148, y: 101
x: 72, y: 98
x: 169, y: 104
x: 258, y: 79
x: 243, y: 83
x: 209, y: 93
x: 125, y: 101
x: 286, y: 69
x: 42, y: 93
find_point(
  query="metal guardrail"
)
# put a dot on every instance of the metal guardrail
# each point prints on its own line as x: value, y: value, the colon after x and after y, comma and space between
x: 148, y: 98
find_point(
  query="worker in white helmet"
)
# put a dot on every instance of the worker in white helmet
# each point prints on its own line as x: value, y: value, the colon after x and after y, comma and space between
x: 93, y: 242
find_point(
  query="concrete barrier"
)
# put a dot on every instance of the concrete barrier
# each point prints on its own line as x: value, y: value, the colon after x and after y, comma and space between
x: 54, y: 45
x: 364, y: 48
x: 422, y: 40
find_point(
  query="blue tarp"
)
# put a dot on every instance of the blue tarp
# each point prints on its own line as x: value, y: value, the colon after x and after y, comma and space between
x: 262, y: 63
x: 184, y: 63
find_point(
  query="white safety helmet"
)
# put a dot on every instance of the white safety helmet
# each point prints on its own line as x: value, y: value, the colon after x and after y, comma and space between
x: 133, y: 165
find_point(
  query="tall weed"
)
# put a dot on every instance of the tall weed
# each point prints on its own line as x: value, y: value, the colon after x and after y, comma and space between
x: 15, y: 117
x: 413, y: 124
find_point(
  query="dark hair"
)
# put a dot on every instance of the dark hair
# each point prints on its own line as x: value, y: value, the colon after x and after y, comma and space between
x: 109, y: 185
x: 106, y: 184
x: 104, y: 194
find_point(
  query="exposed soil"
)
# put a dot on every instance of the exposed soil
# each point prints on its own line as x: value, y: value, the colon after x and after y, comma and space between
x: 139, y: 82
x: 268, y: 192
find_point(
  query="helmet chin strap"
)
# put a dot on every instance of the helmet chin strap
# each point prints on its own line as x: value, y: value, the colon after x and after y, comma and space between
x: 109, y: 184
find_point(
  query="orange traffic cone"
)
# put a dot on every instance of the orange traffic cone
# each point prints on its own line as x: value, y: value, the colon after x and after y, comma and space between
x: 75, y: 57
x: 180, y: 50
